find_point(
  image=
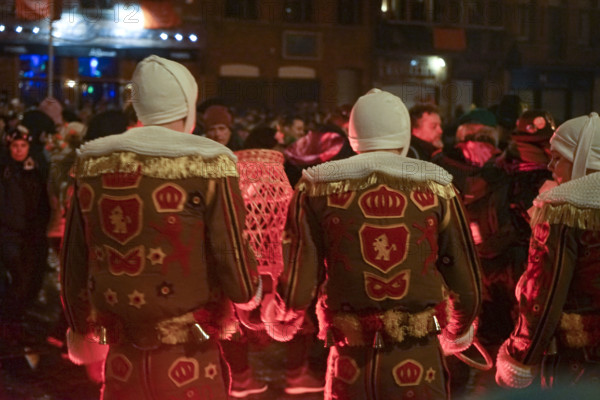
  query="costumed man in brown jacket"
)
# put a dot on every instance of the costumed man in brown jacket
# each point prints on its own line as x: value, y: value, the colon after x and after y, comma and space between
x: 153, y: 248
x: 557, y: 332
x: 383, y: 241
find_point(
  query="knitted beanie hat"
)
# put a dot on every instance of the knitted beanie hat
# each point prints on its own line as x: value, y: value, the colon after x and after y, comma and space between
x: 479, y: 116
x: 379, y: 121
x: 164, y: 91
x: 578, y: 140
x: 217, y: 115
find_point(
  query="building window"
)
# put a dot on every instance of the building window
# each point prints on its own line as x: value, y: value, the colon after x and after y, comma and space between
x: 494, y: 13
x: 414, y: 10
x: 298, y: 11
x: 475, y: 12
x: 417, y: 10
x: 558, y: 25
x: 301, y: 45
x: 584, y: 28
x: 33, y: 83
x: 349, y: 12
x: 524, y: 21
x: 242, y: 9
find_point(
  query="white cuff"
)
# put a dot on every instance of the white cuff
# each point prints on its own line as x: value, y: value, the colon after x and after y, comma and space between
x: 255, y: 302
x: 459, y: 344
x: 511, y: 373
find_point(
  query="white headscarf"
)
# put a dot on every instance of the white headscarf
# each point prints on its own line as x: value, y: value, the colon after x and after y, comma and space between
x: 578, y: 140
x: 379, y: 121
x: 164, y: 91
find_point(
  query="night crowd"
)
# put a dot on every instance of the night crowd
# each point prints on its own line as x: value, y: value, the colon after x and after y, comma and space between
x: 394, y: 238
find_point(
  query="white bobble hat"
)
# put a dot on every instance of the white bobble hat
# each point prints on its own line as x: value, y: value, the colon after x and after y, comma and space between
x: 578, y: 140
x: 379, y: 121
x: 164, y: 91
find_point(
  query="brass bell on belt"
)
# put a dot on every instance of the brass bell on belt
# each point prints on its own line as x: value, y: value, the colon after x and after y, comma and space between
x: 102, y: 335
x: 378, y: 341
x: 436, y: 324
x: 199, y: 334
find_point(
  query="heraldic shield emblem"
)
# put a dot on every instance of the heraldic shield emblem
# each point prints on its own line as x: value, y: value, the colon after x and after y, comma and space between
x: 384, y: 247
x: 120, y: 217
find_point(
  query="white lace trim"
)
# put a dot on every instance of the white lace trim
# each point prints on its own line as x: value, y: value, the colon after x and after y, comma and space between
x: 155, y: 141
x: 583, y: 192
x: 362, y: 165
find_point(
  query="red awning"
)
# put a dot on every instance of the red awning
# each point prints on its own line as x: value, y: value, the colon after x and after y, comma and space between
x: 159, y: 14
x: 35, y: 10
x: 453, y: 39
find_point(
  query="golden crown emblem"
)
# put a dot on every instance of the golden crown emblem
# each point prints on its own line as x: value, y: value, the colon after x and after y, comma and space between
x: 382, y: 202
x: 169, y: 198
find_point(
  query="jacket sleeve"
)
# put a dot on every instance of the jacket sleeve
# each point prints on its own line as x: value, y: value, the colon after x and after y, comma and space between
x: 541, y: 292
x: 459, y: 265
x: 302, y: 264
x: 74, y: 271
x: 235, y: 261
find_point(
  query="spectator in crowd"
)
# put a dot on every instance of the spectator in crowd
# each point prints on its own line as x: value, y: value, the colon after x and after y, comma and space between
x: 507, y: 112
x: 380, y: 239
x: 340, y: 117
x: 153, y: 238
x: 484, y: 189
x: 60, y: 184
x: 326, y: 143
x: 105, y: 123
x: 426, y: 131
x: 291, y: 127
x: 218, y: 125
x: 557, y: 335
x: 41, y: 128
x: 24, y: 214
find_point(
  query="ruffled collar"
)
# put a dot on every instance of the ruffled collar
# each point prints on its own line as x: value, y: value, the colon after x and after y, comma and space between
x: 391, y: 164
x: 583, y: 192
x: 155, y: 141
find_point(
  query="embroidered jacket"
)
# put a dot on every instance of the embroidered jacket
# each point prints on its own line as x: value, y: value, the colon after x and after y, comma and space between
x: 155, y: 234
x: 388, y: 236
x: 558, y: 295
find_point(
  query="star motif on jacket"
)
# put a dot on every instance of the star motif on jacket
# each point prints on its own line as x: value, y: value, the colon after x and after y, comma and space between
x: 156, y: 256
x: 111, y: 297
x: 210, y: 371
x: 430, y: 375
x: 137, y: 299
x: 165, y: 289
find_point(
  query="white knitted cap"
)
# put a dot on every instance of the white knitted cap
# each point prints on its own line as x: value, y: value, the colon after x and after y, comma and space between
x: 578, y: 140
x: 164, y: 91
x: 379, y: 121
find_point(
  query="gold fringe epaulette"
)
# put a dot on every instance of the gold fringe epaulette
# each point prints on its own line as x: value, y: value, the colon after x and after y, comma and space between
x: 567, y: 214
x: 573, y: 331
x: 194, y: 166
x: 314, y: 189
